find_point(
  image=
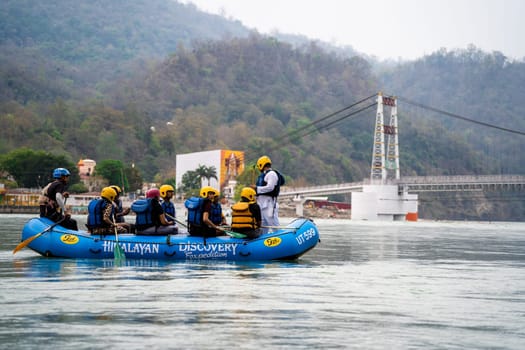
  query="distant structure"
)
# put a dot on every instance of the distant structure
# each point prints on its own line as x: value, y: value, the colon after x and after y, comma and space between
x: 384, y: 198
x: 86, y: 170
x: 228, y: 165
x: 86, y: 167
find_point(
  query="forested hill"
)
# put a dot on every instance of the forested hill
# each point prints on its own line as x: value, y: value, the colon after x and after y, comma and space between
x: 76, y: 45
x: 469, y: 84
x: 141, y: 81
x: 84, y: 31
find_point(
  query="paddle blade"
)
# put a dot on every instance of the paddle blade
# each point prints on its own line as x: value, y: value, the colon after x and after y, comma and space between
x: 235, y: 234
x: 118, y: 252
x: 25, y: 242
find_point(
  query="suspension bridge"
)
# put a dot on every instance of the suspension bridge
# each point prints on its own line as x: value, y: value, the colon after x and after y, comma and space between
x: 418, y: 184
x: 386, y: 195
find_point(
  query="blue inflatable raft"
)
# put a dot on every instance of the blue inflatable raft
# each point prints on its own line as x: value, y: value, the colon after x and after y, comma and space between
x: 287, y: 243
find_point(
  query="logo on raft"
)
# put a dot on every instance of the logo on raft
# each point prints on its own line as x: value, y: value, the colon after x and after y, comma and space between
x: 272, y: 241
x: 69, y: 239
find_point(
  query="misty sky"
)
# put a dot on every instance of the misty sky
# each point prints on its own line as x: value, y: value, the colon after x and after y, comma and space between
x: 394, y: 29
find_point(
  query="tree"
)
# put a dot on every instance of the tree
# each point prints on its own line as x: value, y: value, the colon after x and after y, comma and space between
x: 35, y: 168
x: 113, y: 171
x: 134, y: 179
x: 204, y: 172
x: 191, y: 183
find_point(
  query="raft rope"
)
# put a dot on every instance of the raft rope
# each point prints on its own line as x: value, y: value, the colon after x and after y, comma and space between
x: 97, y: 237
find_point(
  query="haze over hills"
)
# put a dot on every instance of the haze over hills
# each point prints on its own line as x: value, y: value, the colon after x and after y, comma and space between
x: 89, y: 79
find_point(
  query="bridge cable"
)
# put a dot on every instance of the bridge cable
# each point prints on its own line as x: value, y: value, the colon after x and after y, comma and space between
x: 288, y: 138
x: 296, y: 131
x: 460, y: 117
x: 329, y: 125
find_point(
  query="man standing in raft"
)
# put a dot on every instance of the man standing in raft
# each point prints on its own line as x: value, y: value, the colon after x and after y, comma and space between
x: 267, y: 188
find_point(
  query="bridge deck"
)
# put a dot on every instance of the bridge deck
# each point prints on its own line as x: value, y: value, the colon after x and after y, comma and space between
x: 417, y: 184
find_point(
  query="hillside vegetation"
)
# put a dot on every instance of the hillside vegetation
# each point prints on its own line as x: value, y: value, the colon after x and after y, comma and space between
x: 144, y: 80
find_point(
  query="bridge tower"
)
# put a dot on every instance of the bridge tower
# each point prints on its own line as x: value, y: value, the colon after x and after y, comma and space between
x: 385, y: 198
x: 381, y: 168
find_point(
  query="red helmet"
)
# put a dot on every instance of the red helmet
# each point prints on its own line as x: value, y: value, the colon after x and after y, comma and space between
x: 153, y: 193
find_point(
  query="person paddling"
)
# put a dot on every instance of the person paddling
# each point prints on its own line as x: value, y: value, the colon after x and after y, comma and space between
x: 153, y: 221
x: 166, y: 193
x: 53, y: 200
x: 101, y: 213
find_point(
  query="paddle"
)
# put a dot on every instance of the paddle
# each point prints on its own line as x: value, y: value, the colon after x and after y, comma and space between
x: 117, y: 250
x: 229, y: 233
x: 174, y: 219
x: 25, y: 242
x: 232, y: 233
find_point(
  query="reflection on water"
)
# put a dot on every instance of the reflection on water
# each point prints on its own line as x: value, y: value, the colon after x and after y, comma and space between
x: 366, y: 285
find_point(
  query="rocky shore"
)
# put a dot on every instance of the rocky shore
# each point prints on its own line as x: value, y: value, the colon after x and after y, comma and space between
x: 320, y: 213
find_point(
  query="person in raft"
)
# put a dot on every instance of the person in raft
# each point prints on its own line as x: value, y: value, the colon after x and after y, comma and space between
x: 120, y: 211
x: 53, y: 200
x: 200, y: 216
x: 153, y: 221
x: 166, y: 193
x: 101, y: 211
x: 267, y: 189
x: 246, y: 214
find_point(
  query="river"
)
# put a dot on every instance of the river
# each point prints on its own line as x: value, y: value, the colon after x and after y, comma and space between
x: 367, y: 285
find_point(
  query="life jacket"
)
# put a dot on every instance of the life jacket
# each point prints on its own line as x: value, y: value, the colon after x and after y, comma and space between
x: 96, y: 213
x: 277, y: 189
x: 195, y: 206
x: 49, y: 207
x: 216, y: 213
x: 242, y: 217
x: 168, y: 208
x: 43, y: 199
x: 142, y: 209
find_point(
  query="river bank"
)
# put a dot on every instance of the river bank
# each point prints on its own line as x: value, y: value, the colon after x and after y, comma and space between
x: 318, y: 213
x: 285, y: 210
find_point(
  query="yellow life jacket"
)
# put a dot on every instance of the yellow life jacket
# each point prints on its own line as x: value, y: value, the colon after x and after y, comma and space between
x: 242, y: 218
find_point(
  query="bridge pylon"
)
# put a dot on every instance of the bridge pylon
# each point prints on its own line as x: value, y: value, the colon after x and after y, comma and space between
x: 385, y: 198
x: 385, y: 156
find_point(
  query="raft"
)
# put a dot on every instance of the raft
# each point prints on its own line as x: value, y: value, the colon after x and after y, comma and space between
x: 286, y: 243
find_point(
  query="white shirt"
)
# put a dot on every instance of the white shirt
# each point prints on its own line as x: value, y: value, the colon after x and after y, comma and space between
x: 271, y: 180
x: 268, y: 204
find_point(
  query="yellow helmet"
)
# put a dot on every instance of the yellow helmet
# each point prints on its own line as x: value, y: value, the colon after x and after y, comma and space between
x: 207, y: 189
x: 164, y: 189
x: 248, y: 193
x: 261, y: 162
x: 108, y: 193
x: 117, y: 189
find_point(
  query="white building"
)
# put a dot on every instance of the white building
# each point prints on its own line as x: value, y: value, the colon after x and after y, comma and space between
x: 228, y: 164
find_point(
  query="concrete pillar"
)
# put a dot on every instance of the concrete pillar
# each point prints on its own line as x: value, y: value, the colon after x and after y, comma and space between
x: 299, y: 205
